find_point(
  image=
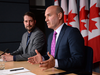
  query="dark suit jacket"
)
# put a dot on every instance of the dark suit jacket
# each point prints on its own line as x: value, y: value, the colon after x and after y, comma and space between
x: 69, y: 49
x: 37, y: 41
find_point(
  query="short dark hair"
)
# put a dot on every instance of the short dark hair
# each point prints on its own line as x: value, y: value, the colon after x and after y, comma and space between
x: 30, y: 14
x: 59, y: 9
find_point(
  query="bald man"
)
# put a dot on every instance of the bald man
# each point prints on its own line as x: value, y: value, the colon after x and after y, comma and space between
x: 69, y: 47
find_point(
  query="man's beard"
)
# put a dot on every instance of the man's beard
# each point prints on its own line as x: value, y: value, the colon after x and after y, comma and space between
x: 30, y: 29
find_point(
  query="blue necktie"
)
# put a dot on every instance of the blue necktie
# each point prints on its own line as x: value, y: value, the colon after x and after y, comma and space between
x: 28, y: 37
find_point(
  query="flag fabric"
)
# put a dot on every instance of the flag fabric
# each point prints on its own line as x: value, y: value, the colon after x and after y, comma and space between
x: 88, y: 23
x: 72, y: 14
x: 64, y: 7
x: 84, y: 20
x: 94, y: 29
x: 56, y: 2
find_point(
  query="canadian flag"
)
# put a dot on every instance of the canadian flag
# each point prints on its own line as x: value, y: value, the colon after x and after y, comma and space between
x: 94, y: 29
x: 84, y: 19
x: 72, y: 14
x: 56, y: 2
x: 64, y: 7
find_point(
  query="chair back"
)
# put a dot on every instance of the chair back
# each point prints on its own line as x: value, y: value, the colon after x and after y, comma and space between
x: 89, y: 59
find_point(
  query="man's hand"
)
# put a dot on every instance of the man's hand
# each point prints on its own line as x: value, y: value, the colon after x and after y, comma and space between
x: 7, y: 57
x: 48, y: 63
x: 35, y: 59
x: 7, y: 54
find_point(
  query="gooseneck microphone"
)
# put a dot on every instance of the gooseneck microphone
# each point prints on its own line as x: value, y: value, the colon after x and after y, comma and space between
x: 5, y: 51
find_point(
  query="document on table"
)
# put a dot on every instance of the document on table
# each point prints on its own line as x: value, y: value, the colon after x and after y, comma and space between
x: 16, y: 71
x: 26, y: 73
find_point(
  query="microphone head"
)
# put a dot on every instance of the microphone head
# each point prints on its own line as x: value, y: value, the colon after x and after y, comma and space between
x: 6, y: 50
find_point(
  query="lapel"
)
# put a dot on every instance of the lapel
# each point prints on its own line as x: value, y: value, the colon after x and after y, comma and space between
x: 49, y: 42
x: 60, y: 37
x: 25, y: 40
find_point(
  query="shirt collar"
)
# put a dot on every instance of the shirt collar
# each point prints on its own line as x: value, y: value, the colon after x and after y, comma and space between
x: 29, y: 34
x: 59, y: 29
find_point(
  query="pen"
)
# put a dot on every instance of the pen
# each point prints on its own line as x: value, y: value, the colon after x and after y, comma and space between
x: 17, y: 69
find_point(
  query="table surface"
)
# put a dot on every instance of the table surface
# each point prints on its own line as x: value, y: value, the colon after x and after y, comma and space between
x: 35, y: 68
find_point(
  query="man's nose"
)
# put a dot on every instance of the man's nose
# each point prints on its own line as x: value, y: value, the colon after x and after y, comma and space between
x: 28, y: 23
x: 46, y: 19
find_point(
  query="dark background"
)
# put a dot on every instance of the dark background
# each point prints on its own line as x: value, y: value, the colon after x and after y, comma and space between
x: 11, y: 23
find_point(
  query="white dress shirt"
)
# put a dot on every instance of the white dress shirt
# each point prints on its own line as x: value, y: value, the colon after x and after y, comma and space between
x: 58, y: 32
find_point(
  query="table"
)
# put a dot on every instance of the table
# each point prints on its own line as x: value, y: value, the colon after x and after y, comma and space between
x: 33, y: 68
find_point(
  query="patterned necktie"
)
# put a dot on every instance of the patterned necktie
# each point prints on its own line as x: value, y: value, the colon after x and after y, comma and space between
x: 53, y: 44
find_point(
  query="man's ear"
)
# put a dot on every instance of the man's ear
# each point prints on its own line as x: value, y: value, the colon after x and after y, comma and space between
x: 60, y: 15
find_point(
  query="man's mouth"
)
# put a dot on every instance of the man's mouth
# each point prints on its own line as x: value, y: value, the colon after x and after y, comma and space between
x: 28, y: 26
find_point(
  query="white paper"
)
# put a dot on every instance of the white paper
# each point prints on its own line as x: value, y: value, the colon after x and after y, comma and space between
x: 26, y: 73
x: 18, y: 72
x: 2, y: 72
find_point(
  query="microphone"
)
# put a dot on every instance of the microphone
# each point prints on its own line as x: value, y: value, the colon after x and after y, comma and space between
x: 5, y: 51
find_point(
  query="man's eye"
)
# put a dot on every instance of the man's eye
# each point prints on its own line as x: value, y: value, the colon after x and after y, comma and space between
x: 25, y: 21
x: 49, y: 15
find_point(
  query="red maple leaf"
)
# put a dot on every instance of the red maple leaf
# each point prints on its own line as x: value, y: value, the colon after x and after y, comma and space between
x: 83, y: 15
x: 99, y: 11
x: 71, y: 17
x: 65, y: 18
x: 94, y: 12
